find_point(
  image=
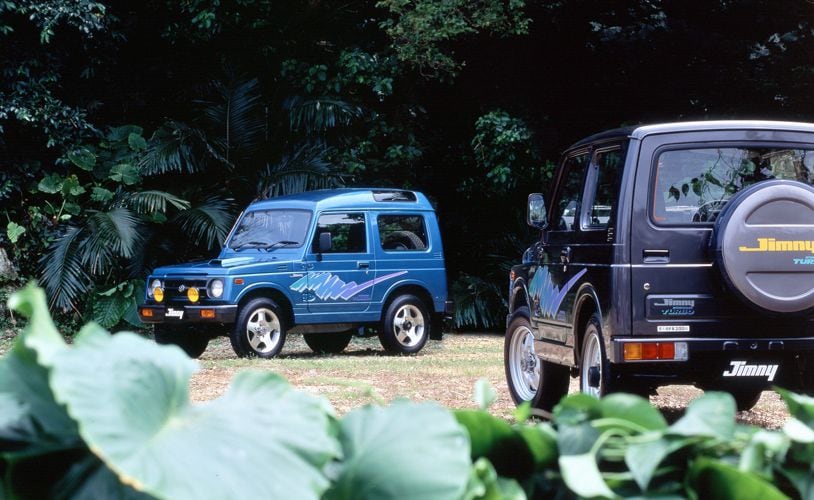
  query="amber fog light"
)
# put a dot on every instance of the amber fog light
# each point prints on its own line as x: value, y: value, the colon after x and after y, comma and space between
x: 158, y: 294
x: 193, y: 295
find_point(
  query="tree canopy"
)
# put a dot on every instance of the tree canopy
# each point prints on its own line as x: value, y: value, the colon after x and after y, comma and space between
x: 131, y: 133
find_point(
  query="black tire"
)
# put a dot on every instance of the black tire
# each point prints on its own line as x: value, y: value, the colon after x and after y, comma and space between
x: 754, y: 239
x: 328, y: 343
x: 746, y: 399
x: 406, y: 325
x: 188, y: 338
x: 260, y: 329
x: 403, y: 240
x: 595, y: 376
x: 531, y: 379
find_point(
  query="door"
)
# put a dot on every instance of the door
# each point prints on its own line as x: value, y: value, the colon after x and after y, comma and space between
x: 340, y: 279
x: 552, y: 280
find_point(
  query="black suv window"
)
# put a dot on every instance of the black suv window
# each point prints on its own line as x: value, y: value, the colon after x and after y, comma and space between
x: 348, y: 234
x: 690, y: 186
x: 608, y: 165
x: 402, y: 232
x: 569, y: 195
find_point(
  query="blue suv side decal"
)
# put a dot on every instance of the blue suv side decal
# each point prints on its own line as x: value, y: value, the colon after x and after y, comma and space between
x: 328, y: 286
x: 549, y: 296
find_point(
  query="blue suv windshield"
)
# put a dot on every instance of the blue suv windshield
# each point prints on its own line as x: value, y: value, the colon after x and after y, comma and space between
x: 268, y: 229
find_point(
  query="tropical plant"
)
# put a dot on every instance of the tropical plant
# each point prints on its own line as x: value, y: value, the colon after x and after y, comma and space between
x: 110, y: 416
x: 103, y: 217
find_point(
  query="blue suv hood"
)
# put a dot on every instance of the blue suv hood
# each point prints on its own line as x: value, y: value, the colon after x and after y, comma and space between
x: 227, y: 266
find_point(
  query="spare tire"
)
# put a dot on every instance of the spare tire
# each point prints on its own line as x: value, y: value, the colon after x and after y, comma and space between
x: 763, y: 241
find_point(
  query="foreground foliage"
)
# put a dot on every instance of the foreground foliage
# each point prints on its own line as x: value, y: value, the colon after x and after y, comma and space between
x: 110, y: 416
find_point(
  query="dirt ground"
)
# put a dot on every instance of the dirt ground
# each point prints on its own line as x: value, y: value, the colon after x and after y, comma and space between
x: 445, y: 371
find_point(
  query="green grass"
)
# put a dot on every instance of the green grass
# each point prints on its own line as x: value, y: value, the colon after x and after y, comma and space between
x: 444, y: 371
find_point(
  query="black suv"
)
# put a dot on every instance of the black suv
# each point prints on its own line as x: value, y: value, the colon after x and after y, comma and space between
x: 679, y: 253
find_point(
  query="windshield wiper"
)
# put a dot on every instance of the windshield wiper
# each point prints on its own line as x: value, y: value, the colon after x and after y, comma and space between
x: 263, y: 245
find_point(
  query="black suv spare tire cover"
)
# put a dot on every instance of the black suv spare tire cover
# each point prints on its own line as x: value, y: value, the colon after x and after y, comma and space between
x: 764, y: 246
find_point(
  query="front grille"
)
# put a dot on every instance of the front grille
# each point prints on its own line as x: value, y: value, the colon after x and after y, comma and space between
x: 171, y: 288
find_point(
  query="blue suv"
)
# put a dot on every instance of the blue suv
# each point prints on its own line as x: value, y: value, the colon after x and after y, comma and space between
x: 323, y: 263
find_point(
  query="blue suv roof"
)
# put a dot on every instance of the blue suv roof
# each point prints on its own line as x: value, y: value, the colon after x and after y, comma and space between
x: 349, y: 198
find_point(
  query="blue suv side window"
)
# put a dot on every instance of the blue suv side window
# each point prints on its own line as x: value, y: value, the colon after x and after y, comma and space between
x: 348, y: 232
x: 402, y: 232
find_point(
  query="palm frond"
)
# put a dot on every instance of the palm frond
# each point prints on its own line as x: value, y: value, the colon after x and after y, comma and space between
x: 478, y: 303
x: 304, y: 170
x: 208, y: 223
x: 151, y: 201
x: 314, y: 116
x: 112, y: 234
x: 235, y: 117
x: 177, y: 147
x: 62, y: 273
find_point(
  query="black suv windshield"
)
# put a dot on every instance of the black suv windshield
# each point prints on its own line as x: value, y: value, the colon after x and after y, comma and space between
x: 268, y: 229
x: 692, y: 185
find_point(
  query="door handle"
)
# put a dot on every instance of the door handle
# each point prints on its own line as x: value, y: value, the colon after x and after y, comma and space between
x: 565, y: 255
x: 654, y: 256
x: 363, y: 265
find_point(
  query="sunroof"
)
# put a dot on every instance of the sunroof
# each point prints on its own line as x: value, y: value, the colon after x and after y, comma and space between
x: 394, y: 196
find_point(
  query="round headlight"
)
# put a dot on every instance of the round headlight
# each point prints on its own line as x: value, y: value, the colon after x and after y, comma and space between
x: 155, y: 284
x: 215, y: 288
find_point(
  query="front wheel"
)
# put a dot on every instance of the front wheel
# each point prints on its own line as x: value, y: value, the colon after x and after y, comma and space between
x: 186, y: 337
x: 260, y: 329
x: 529, y: 378
x: 328, y: 343
x: 594, y: 370
x: 406, y: 325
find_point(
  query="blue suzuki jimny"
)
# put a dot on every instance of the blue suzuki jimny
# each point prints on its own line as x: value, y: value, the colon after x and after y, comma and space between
x: 322, y: 263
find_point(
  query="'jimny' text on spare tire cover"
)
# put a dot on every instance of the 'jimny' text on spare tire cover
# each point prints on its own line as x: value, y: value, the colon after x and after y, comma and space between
x: 764, y: 246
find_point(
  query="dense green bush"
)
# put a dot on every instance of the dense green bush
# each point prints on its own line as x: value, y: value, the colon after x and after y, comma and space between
x: 110, y: 417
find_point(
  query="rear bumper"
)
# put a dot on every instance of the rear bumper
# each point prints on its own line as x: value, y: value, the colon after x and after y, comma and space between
x: 722, y: 363
x: 187, y: 314
x: 726, y: 346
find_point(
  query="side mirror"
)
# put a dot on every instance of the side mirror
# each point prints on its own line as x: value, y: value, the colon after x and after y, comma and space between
x: 536, y: 215
x: 325, y: 244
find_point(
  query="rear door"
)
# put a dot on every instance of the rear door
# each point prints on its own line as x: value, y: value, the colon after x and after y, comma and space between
x: 682, y: 183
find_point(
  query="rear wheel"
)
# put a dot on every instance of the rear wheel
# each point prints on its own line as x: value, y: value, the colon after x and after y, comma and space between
x: 260, y: 329
x: 746, y: 399
x: 594, y: 370
x: 406, y: 325
x: 187, y: 337
x: 531, y: 379
x: 328, y: 343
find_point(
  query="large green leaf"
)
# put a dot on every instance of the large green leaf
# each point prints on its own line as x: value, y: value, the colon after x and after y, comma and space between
x: 403, y: 451
x: 50, y: 184
x: 83, y: 158
x: 125, y: 173
x: 260, y: 440
x: 800, y: 406
x: 14, y: 231
x: 582, y: 476
x: 712, y: 415
x: 24, y: 373
x: 485, y: 484
x: 715, y: 479
x: 496, y: 440
x: 631, y: 409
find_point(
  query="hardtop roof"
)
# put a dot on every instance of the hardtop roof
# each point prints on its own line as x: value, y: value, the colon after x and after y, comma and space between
x: 347, y: 198
x: 641, y: 131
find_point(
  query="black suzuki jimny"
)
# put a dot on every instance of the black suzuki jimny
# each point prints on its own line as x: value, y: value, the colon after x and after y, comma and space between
x: 670, y: 254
